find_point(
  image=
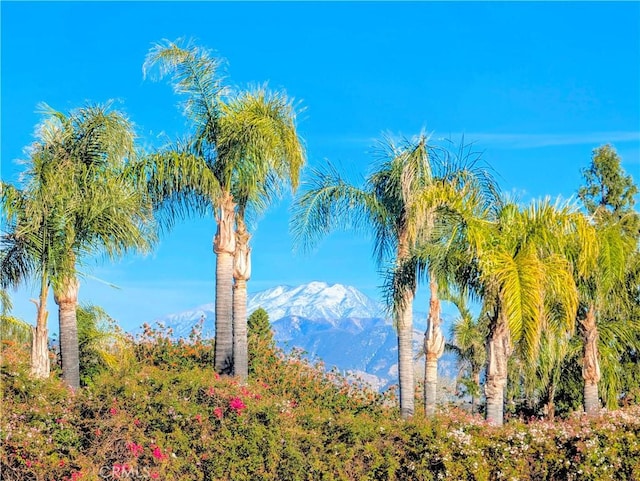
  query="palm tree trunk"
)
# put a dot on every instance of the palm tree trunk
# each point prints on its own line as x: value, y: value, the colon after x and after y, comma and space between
x: 404, y: 324
x: 405, y: 355
x: 224, y: 246
x: 591, y: 363
x: 40, y: 363
x: 433, y: 347
x: 241, y: 274
x: 499, y: 350
x: 66, y: 297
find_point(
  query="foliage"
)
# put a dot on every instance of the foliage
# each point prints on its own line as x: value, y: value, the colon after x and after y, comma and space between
x: 158, y: 422
x: 15, y: 329
x: 102, y: 345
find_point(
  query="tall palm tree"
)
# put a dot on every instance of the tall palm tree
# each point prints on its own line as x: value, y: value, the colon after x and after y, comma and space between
x: 460, y: 194
x: 527, y: 285
x: 383, y: 206
x: 94, y: 206
x: 602, y: 294
x: 244, y: 145
x: 30, y: 246
x: 258, y: 128
x: 608, y: 198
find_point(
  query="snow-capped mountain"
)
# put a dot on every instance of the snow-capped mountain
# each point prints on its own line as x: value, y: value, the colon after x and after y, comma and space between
x: 335, y: 323
x: 316, y: 300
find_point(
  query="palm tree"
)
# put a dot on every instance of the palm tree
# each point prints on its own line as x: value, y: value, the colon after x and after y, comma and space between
x: 384, y: 205
x: 258, y: 131
x: 468, y: 342
x: 243, y: 145
x: 11, y: 327
x: 608, y: 198
x: 526, y: 286
x: 602, y: 293
x: 93, y: 206
x: 29, y: 246
x: 459, y: 195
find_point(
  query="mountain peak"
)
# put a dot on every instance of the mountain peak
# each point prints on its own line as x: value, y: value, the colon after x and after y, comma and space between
x: 315, y: 300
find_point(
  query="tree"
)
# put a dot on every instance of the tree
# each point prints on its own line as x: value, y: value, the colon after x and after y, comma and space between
x: 257, y: 128
x: 527, y: 285
x: 608, y: 198
x: 460, y: 194
x: 608, y: 193
x: 29, y: 246
x: 93, y: 206
x: 100, y: 342
x: 260, y: 339
x: 468, y: 343
x: 383, y: 206
x: 244, y: 145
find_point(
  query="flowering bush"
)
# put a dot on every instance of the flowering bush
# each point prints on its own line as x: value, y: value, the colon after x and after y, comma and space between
x: 290, y: 422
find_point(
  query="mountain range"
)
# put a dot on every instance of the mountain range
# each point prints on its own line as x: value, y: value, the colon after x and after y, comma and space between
x: 334, y: 323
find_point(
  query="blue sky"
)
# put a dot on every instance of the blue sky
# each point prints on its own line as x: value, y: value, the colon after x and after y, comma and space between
x: 536, y: 87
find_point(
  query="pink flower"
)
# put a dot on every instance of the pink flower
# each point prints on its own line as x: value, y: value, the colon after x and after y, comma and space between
x: 211, y: 392
x: 113, y: 411
x: 154, y: 475
x: 76, y: 475
x: 136, y: 449
x: 217, y: 412
x: 237, y: 405
x: 245, y: 392
x: 137, y: 422
x: 98, y: 432
x: 158, y: 454
x: 28, y: 463
x: 198, y: 418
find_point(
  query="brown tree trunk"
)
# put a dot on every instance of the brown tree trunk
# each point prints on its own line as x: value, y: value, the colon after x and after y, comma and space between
x: 241, y: 274
x: 591, y: 362
x: 499, y: 351
x: 224, y: 246
x: 66, y: 297
x: 551, y: 406
x: 433, y: 347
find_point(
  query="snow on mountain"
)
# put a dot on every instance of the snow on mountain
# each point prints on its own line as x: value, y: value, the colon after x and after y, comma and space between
x: 316, y: 300
x: 335, y: 323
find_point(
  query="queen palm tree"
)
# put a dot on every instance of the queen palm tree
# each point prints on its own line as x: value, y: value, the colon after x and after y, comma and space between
x: 29, y: 243
x: 243, y: 145
x: 608, y: 198
x: 257, y: 127
x: 460, y: 194
x: 384, y: 206
x: 603, y: 295
x: 526, y: 285
x: 93, y: 206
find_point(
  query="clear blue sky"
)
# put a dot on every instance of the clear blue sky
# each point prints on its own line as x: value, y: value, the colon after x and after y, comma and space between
x: 536, y: 86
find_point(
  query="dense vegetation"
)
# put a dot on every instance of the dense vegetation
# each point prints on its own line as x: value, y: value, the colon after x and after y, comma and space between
x: 164, y: 413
